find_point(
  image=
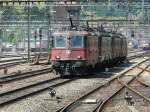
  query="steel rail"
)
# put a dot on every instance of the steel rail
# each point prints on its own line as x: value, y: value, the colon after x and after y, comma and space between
x: 1, y: 61
x: 19, y: 76
x: 9, y: 55
x: 142, y: 69
x: 18, y: 61
x: 123, y: 86
x: 69, y: 106
x: 138, y: 55
x: 19, y: 93
x: 10, y: 63
x: 143, y: 83
x: 101, y: 106
x: 136, y: 92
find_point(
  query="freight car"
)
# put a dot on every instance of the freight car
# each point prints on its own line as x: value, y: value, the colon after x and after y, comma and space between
x: 77, y: 51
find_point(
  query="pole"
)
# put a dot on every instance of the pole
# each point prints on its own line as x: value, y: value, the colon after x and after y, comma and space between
x: 143, y: 10
x: 24, y: 35
x: 143, y: 14
x: 109, y: 4
x: 40, y: 34
x: 50, y: 32
x: 28, y: 31
x: 35, y: 37
x: 127, y: 11
x: 48, y: 29
x: 35, y: 46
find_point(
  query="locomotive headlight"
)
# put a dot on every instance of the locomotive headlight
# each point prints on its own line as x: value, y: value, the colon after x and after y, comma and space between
x: 57, y: 57
x: 79, y: 57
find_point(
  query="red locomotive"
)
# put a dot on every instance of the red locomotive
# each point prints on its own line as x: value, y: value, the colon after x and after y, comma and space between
x: 77, y: 51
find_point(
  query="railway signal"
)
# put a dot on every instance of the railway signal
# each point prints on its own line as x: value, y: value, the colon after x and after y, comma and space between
x: 35, y: 37
x: 35, y: 33
x: 40, y: 35
x: 40, y: 32
x: 132, y: 33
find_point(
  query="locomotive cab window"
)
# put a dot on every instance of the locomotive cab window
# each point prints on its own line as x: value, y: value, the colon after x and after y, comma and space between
x: 77, y: 42
x: 60, y: 42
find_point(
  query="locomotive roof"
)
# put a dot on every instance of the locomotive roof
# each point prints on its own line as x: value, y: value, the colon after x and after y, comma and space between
x: 83, y: 33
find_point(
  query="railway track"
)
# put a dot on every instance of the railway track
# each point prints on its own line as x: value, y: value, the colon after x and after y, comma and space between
x: 18, y: 76
x: 124, y: 85
x: 24, y: 75
x: 143, y: 83
x: 12, y: 59
x: 96, y: 97
x: 138, y: 84
x: 20, y: 54
x: 19, y: 93
x: 16, y: 94
x: 10, y: 63
x: 10, y: 55
x: 127, y: 85
x: 140, y: 81
x: 134, y: 51
x: 144, y: 53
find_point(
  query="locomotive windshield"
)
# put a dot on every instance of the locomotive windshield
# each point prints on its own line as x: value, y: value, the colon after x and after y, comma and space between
x: 60, y: 42
x: 76, y: 42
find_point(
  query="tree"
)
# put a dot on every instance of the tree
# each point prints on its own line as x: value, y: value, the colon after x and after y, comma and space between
x: 10, y: 13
